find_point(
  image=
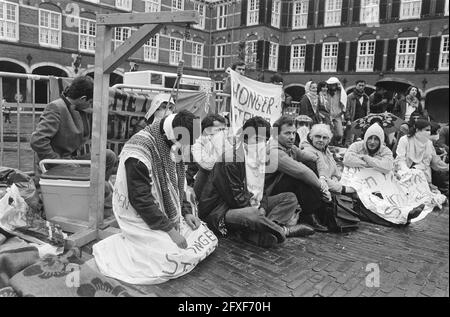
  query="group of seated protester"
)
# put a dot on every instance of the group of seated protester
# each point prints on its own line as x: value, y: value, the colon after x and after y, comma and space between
x: 257, y: 186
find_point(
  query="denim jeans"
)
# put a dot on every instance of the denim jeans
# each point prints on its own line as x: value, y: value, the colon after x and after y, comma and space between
x: 280, y: 210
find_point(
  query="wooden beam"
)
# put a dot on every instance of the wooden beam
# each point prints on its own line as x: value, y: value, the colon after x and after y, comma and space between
x: 135, y: 19
x: 81, y: 238
x: 131, y: 45
x: 99, y: 127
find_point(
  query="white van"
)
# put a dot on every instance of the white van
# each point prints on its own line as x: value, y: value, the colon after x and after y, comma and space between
x: 155, y: 79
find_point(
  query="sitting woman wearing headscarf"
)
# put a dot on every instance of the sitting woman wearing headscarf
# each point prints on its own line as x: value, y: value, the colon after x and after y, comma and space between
x: 329, y: 173
x: 416, y: 151
x: 309, y: 104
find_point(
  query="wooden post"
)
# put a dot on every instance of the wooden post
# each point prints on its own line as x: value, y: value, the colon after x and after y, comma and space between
x: 99, y: 126
x: 105, y: 63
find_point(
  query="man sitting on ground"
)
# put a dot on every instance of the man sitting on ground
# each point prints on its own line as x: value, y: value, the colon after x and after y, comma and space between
x: 207, y: 148
x: 293, y: 170
x: 234, y: 198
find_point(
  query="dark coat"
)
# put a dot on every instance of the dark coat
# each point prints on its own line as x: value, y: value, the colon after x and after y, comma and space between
x: 61, y: 131
x: 306, y: 108
x: 226, y: 189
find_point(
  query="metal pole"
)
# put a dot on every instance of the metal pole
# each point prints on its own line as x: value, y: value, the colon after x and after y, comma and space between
x: 33, y: 101
x: 1, y: 121
x: 18, y: 121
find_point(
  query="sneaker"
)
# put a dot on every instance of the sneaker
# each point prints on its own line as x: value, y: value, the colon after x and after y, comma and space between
x: 262, y: 239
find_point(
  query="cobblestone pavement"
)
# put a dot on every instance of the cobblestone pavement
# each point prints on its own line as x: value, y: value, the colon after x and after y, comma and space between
x: 413, y: 261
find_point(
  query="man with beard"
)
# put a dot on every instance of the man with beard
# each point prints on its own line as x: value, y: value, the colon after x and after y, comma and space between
x: 337, y: 100
x: 234, y: 199
x: 357, y: 107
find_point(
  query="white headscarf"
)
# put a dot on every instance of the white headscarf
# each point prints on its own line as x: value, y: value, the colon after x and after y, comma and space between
x: 156, y: 103
x: 334, y: 80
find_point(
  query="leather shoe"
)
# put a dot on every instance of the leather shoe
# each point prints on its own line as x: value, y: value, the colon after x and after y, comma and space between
x: 314, y: 222
x: 262, y: 239
x: 415, y: 212
x: 299, y: 230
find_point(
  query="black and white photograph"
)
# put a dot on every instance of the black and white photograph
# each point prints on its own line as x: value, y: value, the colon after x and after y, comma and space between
x: 224, y: 155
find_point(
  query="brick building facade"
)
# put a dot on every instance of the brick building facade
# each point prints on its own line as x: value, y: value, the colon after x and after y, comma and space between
x: 301, y: 39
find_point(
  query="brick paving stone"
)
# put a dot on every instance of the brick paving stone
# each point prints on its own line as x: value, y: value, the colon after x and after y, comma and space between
x: 299, y: 280
x: 397, y: 293
x: 329, y: 289
x: 428, y: 290
x: 340, y: 292
x: 369, y: 291
x: 413, y: 290
x: 356, y: 291
x: 351, y: 284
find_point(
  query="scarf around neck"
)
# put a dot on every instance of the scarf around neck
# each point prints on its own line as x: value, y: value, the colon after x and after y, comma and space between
x: 314, y: 99
x: 417, y: 149
x: 412, y: 101
x: 149, y: 146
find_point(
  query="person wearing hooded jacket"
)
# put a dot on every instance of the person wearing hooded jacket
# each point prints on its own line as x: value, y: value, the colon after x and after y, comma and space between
x: 337, y: 100
x: 371, y: 152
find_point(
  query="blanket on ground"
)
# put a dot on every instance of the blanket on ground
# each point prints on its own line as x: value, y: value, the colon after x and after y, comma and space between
x: 67, y: 276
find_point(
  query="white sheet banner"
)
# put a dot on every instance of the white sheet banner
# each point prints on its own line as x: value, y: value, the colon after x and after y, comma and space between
x: 389, y: 198
x: 250, y: 98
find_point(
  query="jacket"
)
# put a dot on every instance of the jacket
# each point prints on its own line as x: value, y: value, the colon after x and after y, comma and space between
x: 226, y: 189
x: 326, y: 166
x: 382, y: 160
x: 400, y: 109
x: 290, y: 162
x: 61, y: 130
x: 352, y: 101
x: 305, y: 108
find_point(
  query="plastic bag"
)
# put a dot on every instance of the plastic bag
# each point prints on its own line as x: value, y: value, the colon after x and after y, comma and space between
x: 25, y: 184
x: 13, y: 209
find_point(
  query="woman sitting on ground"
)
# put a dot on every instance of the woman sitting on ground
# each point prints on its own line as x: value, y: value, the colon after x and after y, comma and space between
x: 329, y: 173
x: 416, y: 150
x: 371, y: 152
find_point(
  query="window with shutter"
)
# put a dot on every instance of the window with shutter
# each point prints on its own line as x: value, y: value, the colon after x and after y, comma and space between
x: 253, y: 12
x: 410, y: 9
x: 87, y: 32
x: 273, y: 56
x: 333, y: 12
x: 151, y: 49
x: 406, y: 54
x: 276, y: 13
x: 120, y: 35
x: 222, y: 13
x: 49, y: 28
x: 443, y: 56
x: 330, y: 57
x: 366, y: 56
x: 300, y: 14
x: 197, y: 55
x: 251, y: 52
x: 370, y: 12
x: 298, y: 53
x: 9, y: 21
x: 176, y: 51
x: 220, y: 56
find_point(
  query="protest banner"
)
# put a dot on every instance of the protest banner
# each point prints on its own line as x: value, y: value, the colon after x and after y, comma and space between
x: 390, y: 198
x: 250, y: 98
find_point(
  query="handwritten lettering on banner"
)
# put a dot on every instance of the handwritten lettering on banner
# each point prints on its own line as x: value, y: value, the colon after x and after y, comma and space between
x: 204, y: 242
x: 388, y: 197
x: 250, y: 98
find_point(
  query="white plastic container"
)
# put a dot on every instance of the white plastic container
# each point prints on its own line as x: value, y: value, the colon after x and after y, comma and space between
x: 65, y: 191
